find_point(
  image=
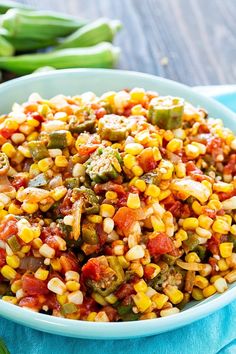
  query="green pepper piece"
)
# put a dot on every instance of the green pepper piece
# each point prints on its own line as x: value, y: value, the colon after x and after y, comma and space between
x: 98, y: 287
x: 170, y: 260
x: 72, y: 183
x: 166, y: 112
x: 152, y: 177
x: 123, y: 310
x: 14, y: 243
x: 4, y: 164
x: 191, y: 242
x: 38, y: 150
x: 39, y: 181
x: 113, y: 127
x: 58, y: 140
x: 3, y: 348
x: 103, y: 165
x: 91, y: 201
x: 201, y: 252
x: 89, y: 233
x: 4, y: 287
x: 69, y: 308
x: 86, y: 126
x: 232, y: 238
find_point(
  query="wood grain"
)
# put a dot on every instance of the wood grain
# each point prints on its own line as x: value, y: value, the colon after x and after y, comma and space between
x: 197, y: 36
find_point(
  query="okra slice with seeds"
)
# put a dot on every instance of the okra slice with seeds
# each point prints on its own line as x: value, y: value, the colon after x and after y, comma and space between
x: 166, y: 112
x: 58, y: 140
x: 103, y: 165
x: 113, y: 127
x: 4, y: 164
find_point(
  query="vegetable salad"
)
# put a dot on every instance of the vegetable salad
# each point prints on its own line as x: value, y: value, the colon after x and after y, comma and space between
x: 115, y: 208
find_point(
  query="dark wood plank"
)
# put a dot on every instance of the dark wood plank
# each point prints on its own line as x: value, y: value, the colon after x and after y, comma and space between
x: 197, y: 37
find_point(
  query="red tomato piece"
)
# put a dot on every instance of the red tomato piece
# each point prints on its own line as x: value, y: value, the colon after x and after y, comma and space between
x: 86, y: 150
x: 19, y: 181
x: 2, y: 257
x: 69, y: 262
x: 8, y: 227
x: 160, y: 244
x: 213, y: 245
x: 146, y: 160
x: 125, y: 217
x: 191, y: 168
x: 33, y: 286
x: 30, y: 301
x: 92, y: 269
x: 124, y: 290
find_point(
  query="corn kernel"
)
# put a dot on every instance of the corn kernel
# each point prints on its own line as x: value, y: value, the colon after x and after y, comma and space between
x: 201, y: 282
x: 134, y: 253
x: 72, y: 285
x: 152, y: 270
x: 56, y: 264
x: 111, y: 299
x: 10, y: 299
x: 174, y: 294
x: 223, y: 187
x: 107, y: 210
x: 37, y: 243
x: 197, y: 208
x: 137, y: 171
x: 30, y: 208
x: 164, y: 194
x: 133, y: 201
x: 141, y: 285
x: 129, y: 161
x: 226, y: 249
x: 96, y: 219
x: 220, y: 285
x: 133, y: 148
x: 14, y: 209
x: 181, y: 235
x: 160, y: 300
x: 153, y: 191
x: 140, y: 184
x: 108, y: 225
x: 142, y: 301
x: 223, y: 266
x: 61, y: 161
x: 190, y: 223
x: 169, y: 312
x: 47, y: 251
x: 111, y: 195
x: 16, y: 285
x: 205, y: 221
x: 76, y: 297
x: 41, y: 274
x: 231, y: 276
x: 26, y: 234
x: 9, y: 150
x: 174, y: 145
x: 45, y: 164
x: 197, y: 294
x: 58, y: 193
x: 56, y: 286
x: 62, y: 299
x: 13, y: 261
x: 192, y: 151
x: 8, y: 272
x: 209, y: 291
x: 91, y: 316
x: 192, y: 257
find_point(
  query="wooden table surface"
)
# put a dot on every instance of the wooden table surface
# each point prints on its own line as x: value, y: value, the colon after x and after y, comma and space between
x: 196, y: 37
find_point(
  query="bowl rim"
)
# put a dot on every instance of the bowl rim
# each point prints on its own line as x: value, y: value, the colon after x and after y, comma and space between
x: 116, y: 330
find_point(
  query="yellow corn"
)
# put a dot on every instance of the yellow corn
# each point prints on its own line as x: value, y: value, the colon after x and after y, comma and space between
x: 26, y: 234
x: 30, y: 208
x: 62, y: 299
x: 123, y: 262
x: 209, y: 290
x: 13, y: 261
x: 141, y: 285
x: 14, y: 209
x: 129, y: 161
x: 197, y: 208
x: 111, y: 195
x: 192, y: 257
x: 33, y: 122
x: 214, y: 204
x: 221, y: 226
x: 8, y: 272
x: 152, y: 191
x: 137, y: 94
x: 231, y: 277
x: 157, y: 224
x: 233, y: 229
x: 180, y: 170
x: 140, y: 184
x: 164, y: 194
x: 160, y: 300
x: 91, y: 316
x: 16, y: 285
x: 169, y: 312
x: 197, y: 294
x: 174, y: 294
x: 226, y: 249
x: 220, y: 285
x: 137, y: 171
x: 72, y: 285
x: 107, y: 210
x: 190, y: 223
x: 133, y: 148
x: 192, y: 151
x: 174, y: 145
x: 223, y: 266
x: 96, y: 219
x: 47, y: 251
x: 55, y: 263
x: 205, y: 222
x: 142, y: 301
x: 32, y: 136
x: 10, y: 299
x: 56, y: 286
x: 201, y: 282
x: 181, y: 235
x: 223, y: 187
x: 45, y: 164
x: 61, y: 161
x: 155, y: 270
x: 9, y: 150
x: 41, y: 274
x: 133, y: 201
x: 58, y: 193
x: 111, y: 299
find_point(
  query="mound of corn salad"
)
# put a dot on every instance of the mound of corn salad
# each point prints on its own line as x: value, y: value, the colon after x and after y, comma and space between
x: 115, y: 208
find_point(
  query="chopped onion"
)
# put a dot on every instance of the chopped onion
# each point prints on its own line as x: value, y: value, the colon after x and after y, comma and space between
x: 5, y: 185
x: 76, y: 213
x: 190, y: 266
x: 191, y: 188
x: 30, y: 263
x: 32, y: 195
x: 229, y: 204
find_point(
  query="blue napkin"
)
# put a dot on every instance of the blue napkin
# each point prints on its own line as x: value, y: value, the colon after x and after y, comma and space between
x: 216, y: 334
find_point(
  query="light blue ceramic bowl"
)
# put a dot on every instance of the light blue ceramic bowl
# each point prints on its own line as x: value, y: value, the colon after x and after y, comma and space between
x: 71, y: 82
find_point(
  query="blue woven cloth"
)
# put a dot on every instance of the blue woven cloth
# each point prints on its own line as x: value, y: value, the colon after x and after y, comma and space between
x: 214, y: 334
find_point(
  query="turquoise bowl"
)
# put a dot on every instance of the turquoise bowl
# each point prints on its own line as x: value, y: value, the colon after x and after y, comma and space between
x: 71, y: 82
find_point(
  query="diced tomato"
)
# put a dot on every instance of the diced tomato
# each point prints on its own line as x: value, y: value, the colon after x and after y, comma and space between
x: 33, y: 286
x: 111, y: 313
x: 38, y: 117
x: 86, y: 150
x: 19, y: 181
x: 66, y: 205
x: 92, y: 269
x: 2, y: 257
x: 214, y: 146
x: 6, y: 133
x: 203, y: 128
x: 109, y: 186
x: 124, y: 290
x: 213, y: 245
x: 52, y: 302
x: 8, y: 227
x: 213, y: 262
x: 230, y: 167
x: 160, y: 244
x: 209, y: 212
x: 125, y: 217
x: 100, y: 112
x: 30, y: 301
x: 101, y: 234
x: 191, y: 168
x: 69, y: 262
x: 89, y: 305
x: 148, y: 272
x: 146, y: 160
x: 223, y: 196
